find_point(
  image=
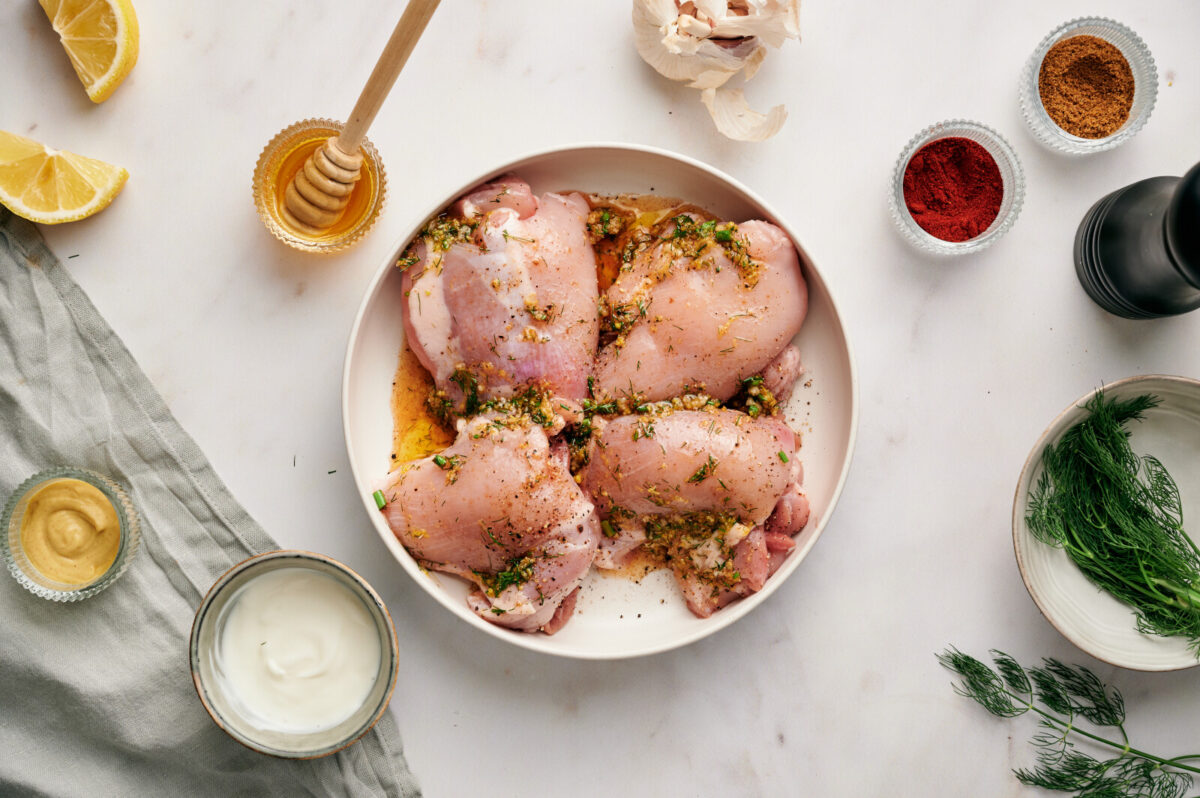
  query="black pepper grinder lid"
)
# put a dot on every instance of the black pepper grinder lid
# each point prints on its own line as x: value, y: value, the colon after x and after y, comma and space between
x: 1183, y: 226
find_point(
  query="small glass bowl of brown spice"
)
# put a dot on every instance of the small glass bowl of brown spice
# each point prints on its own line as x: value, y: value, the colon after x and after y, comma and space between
x: 1088, y: 87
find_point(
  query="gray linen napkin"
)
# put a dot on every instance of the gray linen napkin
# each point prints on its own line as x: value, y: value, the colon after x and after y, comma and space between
x: 96, y: 698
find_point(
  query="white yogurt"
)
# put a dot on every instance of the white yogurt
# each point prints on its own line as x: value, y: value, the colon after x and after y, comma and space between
x: 298, y: 651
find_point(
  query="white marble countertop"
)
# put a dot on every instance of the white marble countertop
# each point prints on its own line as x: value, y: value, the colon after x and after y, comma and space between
x: 831, y: 687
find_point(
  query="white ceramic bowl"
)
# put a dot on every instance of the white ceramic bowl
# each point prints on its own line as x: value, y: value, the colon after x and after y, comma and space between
x: 222, y: 705
x: 1088, y: 617
x: 614, y: 617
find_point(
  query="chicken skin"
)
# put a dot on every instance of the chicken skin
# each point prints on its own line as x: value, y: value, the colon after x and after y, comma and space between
x: 702, y: 310
x: 504, y: 295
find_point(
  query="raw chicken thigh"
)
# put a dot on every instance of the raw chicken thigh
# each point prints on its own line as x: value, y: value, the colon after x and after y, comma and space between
x: 503, y: 294
x: 716, y: 491
x: 499, y: 508
x: 703, y: 305
x: 690, y: 460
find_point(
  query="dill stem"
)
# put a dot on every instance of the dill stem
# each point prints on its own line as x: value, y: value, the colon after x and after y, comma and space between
x: 1125, y: 749
x: 1101, y: 565
x: 1186, y: 597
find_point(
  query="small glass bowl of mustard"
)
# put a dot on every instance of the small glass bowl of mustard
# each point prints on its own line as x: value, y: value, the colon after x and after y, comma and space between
x: 68, y: 533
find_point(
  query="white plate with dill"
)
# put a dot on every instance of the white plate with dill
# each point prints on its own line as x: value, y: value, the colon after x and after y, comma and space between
x: 1166, y: 432
x: 615, y: 616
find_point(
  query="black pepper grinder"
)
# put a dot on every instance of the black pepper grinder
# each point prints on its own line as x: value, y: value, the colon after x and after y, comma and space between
x: 1137, y: 250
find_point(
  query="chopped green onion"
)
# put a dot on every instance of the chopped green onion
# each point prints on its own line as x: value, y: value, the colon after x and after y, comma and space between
x: 380, y: 502
x: 724, y: 236
x: 439, y: 461
x: 783, y: 456
x: 607, y: 528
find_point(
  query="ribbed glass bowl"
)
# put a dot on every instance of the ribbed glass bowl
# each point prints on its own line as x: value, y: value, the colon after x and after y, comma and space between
x: 28, y: 575
x: 282, y: 155
x: 1145, y: 86
x: 1010, y: 173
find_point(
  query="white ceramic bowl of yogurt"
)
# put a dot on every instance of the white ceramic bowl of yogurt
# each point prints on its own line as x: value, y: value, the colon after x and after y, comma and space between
x: 293, y: 654
x: 614, y: 617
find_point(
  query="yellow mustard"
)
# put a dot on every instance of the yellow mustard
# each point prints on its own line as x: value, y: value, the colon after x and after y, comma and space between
x: 70, y: 531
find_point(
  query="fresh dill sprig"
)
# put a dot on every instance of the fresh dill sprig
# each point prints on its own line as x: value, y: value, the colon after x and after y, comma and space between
x: 1062, y: 696
x: 1119, y: 518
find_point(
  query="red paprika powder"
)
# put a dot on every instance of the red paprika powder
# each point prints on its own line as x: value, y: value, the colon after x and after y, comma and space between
x: 953, y: 188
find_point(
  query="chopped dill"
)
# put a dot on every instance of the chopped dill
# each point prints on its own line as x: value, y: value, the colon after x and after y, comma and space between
x: 704, y: 471
x: 451, y: 465
x: 510, y: 237
x: 754, y: 398
x: 469, y: 384
x: 643, y: 429
x: 518, y: 572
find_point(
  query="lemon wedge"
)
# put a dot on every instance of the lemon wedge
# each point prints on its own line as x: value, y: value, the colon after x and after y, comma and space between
x: 52, y: 186
x: 101, y: 39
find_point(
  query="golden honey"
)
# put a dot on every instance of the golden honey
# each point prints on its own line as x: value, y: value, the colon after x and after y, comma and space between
x: 284, y: 157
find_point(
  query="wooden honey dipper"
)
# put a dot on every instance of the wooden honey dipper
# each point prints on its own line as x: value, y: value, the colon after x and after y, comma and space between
x: 320, y: 191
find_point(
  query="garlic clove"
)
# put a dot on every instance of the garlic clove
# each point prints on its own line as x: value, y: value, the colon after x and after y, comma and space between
x: 772, y: 29
x: 735, y: 118
x: 713, y: 9
x: 694, y: 27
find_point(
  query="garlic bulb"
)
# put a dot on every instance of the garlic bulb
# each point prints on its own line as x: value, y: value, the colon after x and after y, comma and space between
x: 706, y: 42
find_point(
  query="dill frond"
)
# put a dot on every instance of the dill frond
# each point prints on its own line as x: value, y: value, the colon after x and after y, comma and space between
x: 1063, y: 696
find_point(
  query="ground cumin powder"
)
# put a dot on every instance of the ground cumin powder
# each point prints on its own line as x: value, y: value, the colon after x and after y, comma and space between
x: 1086, y: 86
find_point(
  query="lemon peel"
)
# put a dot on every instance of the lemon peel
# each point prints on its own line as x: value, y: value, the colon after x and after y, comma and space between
x: 53, y: 186
x: 101, y: 39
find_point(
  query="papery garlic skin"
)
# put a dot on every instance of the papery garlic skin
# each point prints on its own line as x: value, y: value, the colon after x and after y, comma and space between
x: 706, y: 42
x: 735, y: 118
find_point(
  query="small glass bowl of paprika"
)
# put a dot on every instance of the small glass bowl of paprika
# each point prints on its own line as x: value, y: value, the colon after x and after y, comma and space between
x: 1089, y: 86
x: 956, y: 188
